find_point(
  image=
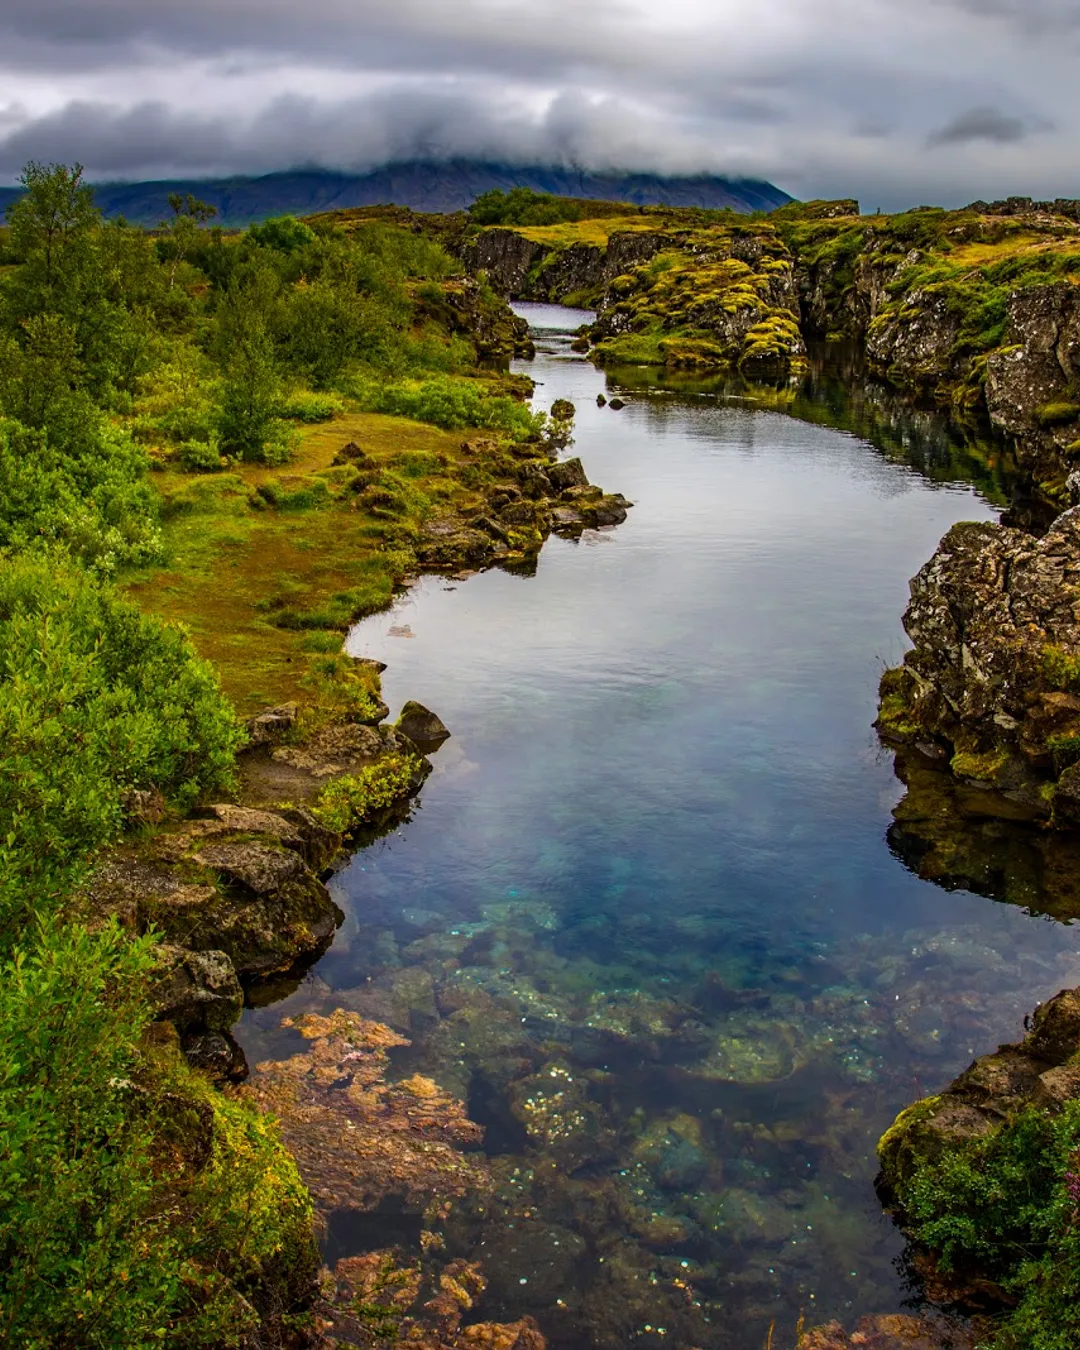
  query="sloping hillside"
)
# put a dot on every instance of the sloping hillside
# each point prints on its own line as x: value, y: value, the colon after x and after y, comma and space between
x: 423, y: 186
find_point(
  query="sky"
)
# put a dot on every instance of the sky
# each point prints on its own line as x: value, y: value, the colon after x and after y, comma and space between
x: 897, y: 102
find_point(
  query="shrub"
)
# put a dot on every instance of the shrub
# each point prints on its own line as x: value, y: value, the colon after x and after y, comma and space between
x: 201, y: 456
x: 1006, y: 1205
x: 137, y: 1206
x: 96, y: 700
x: 356, y: 799
x: 453, y: 404
x: 306, y: 407
x: 284, y: 233
x: 85, y: 489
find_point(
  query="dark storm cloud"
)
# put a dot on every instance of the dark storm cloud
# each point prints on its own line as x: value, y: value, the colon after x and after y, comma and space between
x: 395, y: 124
x: 983, y: 124
x: 899, y: 100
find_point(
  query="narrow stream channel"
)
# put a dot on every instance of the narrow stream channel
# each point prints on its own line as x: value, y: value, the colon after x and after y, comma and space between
x: 645, y: 920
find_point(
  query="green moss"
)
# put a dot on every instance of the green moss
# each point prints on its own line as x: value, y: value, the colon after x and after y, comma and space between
x: 1061, y: 669
x: 1065, y: 750
x: 982, y: 768
x: 896, y: 1150
x: 1056, y: 414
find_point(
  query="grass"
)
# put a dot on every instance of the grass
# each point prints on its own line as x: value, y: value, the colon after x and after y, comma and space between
x: 595, y: 231
x: 262, y: 589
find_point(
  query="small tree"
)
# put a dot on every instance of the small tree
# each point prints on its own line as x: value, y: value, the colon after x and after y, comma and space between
x: 56, y: 210
x: 188, y: 215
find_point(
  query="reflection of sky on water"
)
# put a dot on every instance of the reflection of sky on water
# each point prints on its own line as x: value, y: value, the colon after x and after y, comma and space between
x: 663, y: 782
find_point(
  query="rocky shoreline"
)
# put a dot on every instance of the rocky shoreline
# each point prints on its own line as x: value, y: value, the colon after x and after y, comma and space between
x: 237, y: 892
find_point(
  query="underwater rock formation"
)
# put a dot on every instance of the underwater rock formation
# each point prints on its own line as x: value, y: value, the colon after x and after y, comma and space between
x: 894, y: 1332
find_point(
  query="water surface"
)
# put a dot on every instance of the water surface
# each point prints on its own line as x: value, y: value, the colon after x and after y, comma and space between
x: 645, y: 920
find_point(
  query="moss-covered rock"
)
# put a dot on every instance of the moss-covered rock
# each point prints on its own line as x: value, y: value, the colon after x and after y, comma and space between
x: 990, y: 685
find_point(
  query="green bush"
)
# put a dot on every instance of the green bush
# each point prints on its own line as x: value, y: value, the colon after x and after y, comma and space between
x: 86, y: 490
x: 284, y: 233
x: 453, y: 404
x: 1006, y: 1206
x: 96, y: 700
x: 306, y: 407
x: 354, y: 800
x: 201, y: 456
x: 138, y: 1208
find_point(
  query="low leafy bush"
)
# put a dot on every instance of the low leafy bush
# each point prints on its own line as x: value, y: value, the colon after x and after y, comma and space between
x: 86, y: 491
x: 453, y: 404
x: 354, y: 800
x: 138, y: 1207
x: 201, y: 456
x: 96, y: 700
x: 307, y: 407
x: 1008, y: 1207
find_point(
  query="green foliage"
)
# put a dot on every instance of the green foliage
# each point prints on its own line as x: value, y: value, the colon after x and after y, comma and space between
x: 299, y: 495
x: 452, y: 404
x: 356, y: 799
x: 523, y: 206
x: 80, y: 484
x: 96, y: 701
x: 201, y: 456
x: 137, y: 1207
x: 284, y: 233
x: 302, y: 406
x: 1003, y: 1205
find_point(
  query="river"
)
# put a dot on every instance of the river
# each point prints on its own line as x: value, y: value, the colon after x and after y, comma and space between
x: 645, y: 920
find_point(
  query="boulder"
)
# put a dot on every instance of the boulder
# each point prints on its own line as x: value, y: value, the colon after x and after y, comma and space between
x: 293, y: 827
x: 269, y: 727
x: 216, y: 1054
x: 196, y: 991
x: 424, y: 728
x: 993, y: 678
x: 568, y: 474
x: 1036, y: 1071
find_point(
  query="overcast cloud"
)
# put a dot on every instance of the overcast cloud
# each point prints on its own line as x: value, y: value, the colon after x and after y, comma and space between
x: 895, y: 101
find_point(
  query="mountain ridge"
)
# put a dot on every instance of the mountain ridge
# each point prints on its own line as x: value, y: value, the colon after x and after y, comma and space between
x: 423, y: 186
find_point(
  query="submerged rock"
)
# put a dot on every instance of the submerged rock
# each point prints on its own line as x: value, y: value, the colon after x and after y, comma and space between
x: 894, y: 1332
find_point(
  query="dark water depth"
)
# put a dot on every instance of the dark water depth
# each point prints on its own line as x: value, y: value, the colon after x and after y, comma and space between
x: 645, y: 919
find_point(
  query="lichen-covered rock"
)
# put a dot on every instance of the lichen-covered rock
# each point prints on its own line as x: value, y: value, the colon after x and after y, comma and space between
x: 1031, y: 380
x: 915, y: 345
x: 271, y: 726
x: 251, y: 899
x: 993, y: 680
x: 196, y: 991
x: 463, y: 306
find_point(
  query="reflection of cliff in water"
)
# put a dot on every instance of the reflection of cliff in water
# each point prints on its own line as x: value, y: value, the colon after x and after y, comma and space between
x: 838, y: 393
x: 961, y: 838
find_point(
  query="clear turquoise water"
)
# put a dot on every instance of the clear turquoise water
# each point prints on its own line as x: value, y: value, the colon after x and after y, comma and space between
x: 652, y: 863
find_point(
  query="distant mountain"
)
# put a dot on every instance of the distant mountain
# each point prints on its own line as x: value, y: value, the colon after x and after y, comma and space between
x: 423, y: 186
